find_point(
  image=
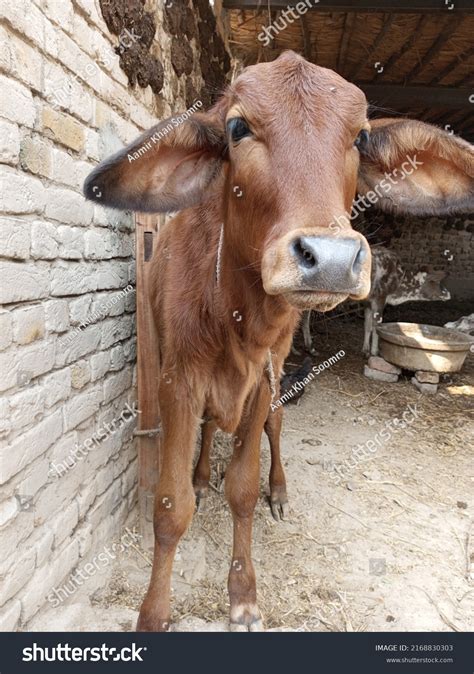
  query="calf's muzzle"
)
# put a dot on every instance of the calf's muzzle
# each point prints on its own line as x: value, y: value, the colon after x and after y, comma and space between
x: 329, y: 264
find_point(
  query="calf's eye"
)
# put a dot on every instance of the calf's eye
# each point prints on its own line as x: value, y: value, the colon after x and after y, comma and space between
x: 362, y: 140
x: 238, y: 129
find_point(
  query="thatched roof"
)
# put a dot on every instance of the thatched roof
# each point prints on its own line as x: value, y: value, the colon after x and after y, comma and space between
x: 427, y: 56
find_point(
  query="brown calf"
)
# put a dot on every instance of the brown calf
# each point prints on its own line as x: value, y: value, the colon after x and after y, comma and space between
x: 260, y: 176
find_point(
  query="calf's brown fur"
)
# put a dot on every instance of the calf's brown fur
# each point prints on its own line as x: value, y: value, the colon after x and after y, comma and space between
x: 290, y: 176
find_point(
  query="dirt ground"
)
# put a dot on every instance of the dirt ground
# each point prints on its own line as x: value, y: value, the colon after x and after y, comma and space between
x: 389, y: 547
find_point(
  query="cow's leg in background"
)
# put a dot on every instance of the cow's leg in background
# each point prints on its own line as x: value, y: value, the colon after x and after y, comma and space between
x: 202, y: 472
x: 174, y: 501
x: 242, y: 488
x: 368, y: 320
x: 306, y: 328
x: 278, y: 495
x: 377, y: 308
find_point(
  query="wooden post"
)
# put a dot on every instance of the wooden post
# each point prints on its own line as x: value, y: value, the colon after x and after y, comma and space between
x: 148, y: 363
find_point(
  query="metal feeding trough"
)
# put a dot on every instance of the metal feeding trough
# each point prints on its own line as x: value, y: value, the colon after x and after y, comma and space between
x: 414, y: 346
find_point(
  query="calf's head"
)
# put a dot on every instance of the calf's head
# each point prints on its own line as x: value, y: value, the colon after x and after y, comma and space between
x: 286, y: 148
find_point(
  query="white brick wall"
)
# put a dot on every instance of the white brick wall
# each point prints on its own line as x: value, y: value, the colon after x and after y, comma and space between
x: 62, y: 259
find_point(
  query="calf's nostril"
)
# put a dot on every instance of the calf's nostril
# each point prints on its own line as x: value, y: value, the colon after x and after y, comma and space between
x: 304, y: 254
x: 359, y: 260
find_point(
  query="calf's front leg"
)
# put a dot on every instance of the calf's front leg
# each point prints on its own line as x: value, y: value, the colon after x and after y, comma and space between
x: 241, y: 488
x: 174, y: 501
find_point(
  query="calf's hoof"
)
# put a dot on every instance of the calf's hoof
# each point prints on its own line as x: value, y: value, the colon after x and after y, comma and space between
x: 201, y: 492
x: 246, y: 618
x: 279, y: 504
x: 146, y: 624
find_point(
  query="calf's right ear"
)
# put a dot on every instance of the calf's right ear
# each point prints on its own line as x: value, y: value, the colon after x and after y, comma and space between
x: 168, y: 168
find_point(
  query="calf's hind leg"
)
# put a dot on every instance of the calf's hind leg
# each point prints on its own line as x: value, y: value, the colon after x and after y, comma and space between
x: 174, y: 503
x: 241, y: 488
x: 202, y: 472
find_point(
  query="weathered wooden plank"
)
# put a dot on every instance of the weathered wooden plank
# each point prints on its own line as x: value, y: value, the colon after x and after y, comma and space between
x: 146, y: 228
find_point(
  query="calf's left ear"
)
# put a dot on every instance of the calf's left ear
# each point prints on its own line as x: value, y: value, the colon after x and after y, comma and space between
x: 416, y: 168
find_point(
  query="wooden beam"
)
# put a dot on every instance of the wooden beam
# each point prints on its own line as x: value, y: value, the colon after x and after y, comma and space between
x: 396, y: 6
x: 452, y: 65
x: 421, y: 97
x: 450, y: 27
x: 148, y: 378
x: 382, y: 34
x: 306, y: 38
x: 408, y: 44
x: 348, y: 26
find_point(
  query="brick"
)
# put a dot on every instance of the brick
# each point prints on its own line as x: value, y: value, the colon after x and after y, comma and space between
x: 100, y: 245
x: 34, y: 478
x: 429, y: 389
x: 81, y: 407
x: 72, y: 278
x: 115, y: 330
x: 9, y: 143
x: 92, y: 144
x: 35, y: 156
x: 19, y: 192
x: 117, y: 358
x: 27, y: 407
x: 60, y: 13
x: 29, y: 446
x: 56, y: 315
x: 378, y: 375
x: 63, y: 167
x: 43, y: 241
x: 111, y: 277
x: 117, y: 384
x: 26, y: 363
x: 5, y: 423
x: 79, y: 309
x: 111, y: 304
x: 28, y: 324
x: 43, y: 547
x: 6, y: 329
x: 68, y: 207
x: 100, y: 365
x: 64, y: 523
x: 57, y: 387
x: 15, y: 239
x: 12, y: 535
x: 8, y: 512
x: 63, y: 128
x: 22, y: 282
x: 378, y: 363
x: 35, y: 593
x: 20, y: 60
x: 16, y: 102
x: 77, y: 345
x: 25, y: 17
x: 427, y: 377
x: 10, y: 616
x: 19, y: 574
x: 80, y: 374
x: 71, y: 242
